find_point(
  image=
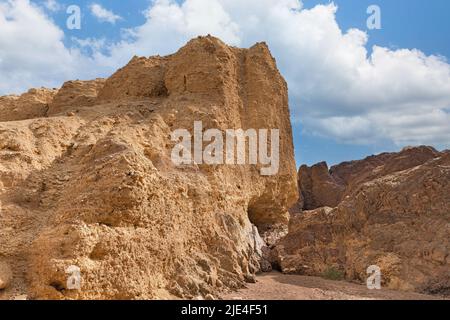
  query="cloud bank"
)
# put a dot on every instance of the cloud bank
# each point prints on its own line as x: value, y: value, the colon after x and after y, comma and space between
x: 337, y: 88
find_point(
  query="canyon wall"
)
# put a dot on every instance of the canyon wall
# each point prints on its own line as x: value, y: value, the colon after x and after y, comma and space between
x: 87, y: 180
x: 390, y: 211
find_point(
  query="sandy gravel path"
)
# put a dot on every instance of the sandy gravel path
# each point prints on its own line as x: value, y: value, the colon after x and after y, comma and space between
x: 278, y: 286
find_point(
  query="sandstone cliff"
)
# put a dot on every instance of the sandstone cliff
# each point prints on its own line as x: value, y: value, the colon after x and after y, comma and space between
x: 86, y: 178
x: 393, y: 211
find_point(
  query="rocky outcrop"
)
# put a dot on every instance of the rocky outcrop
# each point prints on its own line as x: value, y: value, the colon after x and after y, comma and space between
x: 320, y: 186
x: 395, y: 215
x: 141, y: 78
x: 91, y: 192
x: 33, y: 104
x: 75, y: 94
x: 5, y: 275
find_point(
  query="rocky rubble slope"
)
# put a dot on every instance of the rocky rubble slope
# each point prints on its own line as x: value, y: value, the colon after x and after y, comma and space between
x: 391, y: 210
x: 86, y: 179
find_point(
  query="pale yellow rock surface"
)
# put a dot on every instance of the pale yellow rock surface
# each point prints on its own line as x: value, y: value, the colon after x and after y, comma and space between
x: 32, y: 104
x: 5, y: 275
x: 90, y: 183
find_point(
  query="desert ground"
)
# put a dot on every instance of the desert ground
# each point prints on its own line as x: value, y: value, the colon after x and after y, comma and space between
x: 279, y: 286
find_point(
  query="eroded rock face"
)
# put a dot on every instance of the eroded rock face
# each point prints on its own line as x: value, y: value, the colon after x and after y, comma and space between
x: 93, y: 186
x: 141, y: 78
x: 318, y: 187
x: 323, y: 187
x: 74, y: 94
x: 395, y: 216
x: 5, y: 275
x: 32, y: 104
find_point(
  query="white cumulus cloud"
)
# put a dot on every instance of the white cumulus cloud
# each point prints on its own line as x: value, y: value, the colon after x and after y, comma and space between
x: 103, y: 14
x: 32, y: 51
x: 53, y: 5
x: 338, y: 87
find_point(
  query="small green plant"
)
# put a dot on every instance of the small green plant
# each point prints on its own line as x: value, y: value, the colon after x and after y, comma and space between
x: 332, y: 273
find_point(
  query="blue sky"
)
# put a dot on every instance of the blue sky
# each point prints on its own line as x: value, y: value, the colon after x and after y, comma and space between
x: 346, y: 103
x: 405, y: 24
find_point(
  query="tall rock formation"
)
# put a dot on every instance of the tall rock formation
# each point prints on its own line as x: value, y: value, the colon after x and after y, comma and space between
x: 88, y: 187
x: 318, y: 188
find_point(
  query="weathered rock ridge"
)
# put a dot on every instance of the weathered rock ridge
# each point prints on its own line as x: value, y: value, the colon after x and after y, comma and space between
x: 86, y: 178
x: 323, y: 187
x: 390, y: 210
